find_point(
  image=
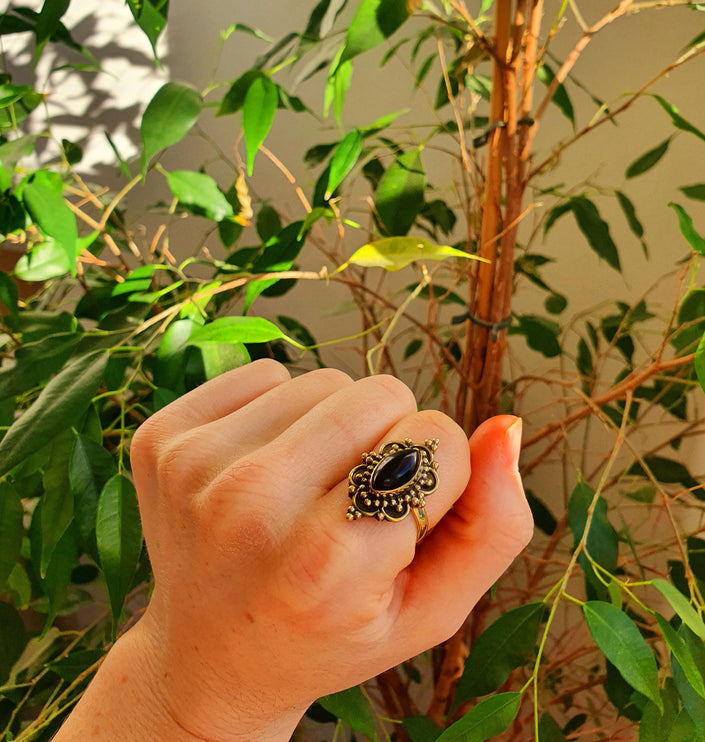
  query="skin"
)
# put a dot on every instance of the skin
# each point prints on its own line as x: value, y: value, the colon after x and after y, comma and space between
x: 265, y: 597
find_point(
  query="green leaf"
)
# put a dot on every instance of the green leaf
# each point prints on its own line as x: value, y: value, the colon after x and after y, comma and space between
x: 47, y: 260
x: 234, y: 99
x: 37, y: 361
x: 337, y: 87
x: 421, y: 729
x: 258, y: 115
x: 549, y: 731
x: 413, y: 348
x: 237, y: 330
x: 602, y: 541
x: 69, y: 668
x: 692, y: 701
x: 199, y: 192
x: 151, y: 17
x: 678, y: 121
x: 13, y: 151
x: 647, y: 160
x: 90, y: 468
x: 682, y: 655
x: 490, y: 717
x: 269, y: 224
x: 119, y: 539
x: 695, y: 240
x: 620, y: 641
x: 596, y: 230
x: 395, y: 253
x: 543, y: 517
x: 343, y: 160
x: 218, y: 358
x: 8, y: 293
x: 374, y: 21
x: 13, y: 639
x: 541, y: 334
x: 681, y: 605
x: 560, y: 97
x: 351, y: 707
x: 505, y: 645
x: 399, y: 197
x: 700, y: 362
x: 11, y: 530
x: 696, y: 191
x: 60, y: 405
x: 50, y: 213
x: 54, y: 583
x: 635, y: 225
x: 667, y: 471
x: 48, y: 22
x: 168, y: 118
x: 57, y: 501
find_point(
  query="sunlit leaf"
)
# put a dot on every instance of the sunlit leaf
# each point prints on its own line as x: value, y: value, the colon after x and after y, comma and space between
x: 237, y: 330
x: 351, y: 707
x: 374, y: 21
x: 47, y: 22
x: 648, y: 159
x: 169, y: 117
x: 343, y: 160
x: 395, y: 253
x: 685, y: 222
x: 51, y: 214
x: 258, y: 113
x: 676, y: 119
x: 119, y: 539
x: 681, y: 605
x: 199, y: 192
x: 624, y: 646
x: 151, y: 17
x: 682, y: 655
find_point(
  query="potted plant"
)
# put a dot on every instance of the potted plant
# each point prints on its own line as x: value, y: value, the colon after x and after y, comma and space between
x: 599, y: 632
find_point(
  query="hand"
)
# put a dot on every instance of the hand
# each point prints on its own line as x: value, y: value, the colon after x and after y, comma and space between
x: 266, y: 597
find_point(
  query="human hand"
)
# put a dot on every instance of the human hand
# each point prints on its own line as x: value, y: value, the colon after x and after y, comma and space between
x: 266, y: 597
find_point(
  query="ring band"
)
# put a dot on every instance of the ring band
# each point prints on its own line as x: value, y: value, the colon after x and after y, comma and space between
x: 421, y: 522
x: 393, y: 482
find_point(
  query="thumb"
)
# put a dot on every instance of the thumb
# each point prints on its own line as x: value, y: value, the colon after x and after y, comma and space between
x: 477, y: 540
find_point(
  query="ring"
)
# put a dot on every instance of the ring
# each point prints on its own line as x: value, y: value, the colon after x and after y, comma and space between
x: 393, y: 482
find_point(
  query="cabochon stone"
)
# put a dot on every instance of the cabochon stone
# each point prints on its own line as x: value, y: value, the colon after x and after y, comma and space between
x: 395, y: 470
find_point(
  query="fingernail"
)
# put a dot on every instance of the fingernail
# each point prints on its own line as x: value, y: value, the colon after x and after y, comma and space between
x: 512, y: 442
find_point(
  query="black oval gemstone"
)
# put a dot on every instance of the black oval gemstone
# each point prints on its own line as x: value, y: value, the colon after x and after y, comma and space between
x: 395, y: 470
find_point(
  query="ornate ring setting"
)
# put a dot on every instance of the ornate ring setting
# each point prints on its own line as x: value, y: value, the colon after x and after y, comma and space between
x: 393, y: 482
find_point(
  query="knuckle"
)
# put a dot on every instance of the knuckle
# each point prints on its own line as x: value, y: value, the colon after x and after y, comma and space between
x: 271, y: 368
x: 393, y: 389
x: 330, y: 377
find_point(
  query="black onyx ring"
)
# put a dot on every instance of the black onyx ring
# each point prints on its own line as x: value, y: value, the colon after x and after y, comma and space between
x: 393, y: 482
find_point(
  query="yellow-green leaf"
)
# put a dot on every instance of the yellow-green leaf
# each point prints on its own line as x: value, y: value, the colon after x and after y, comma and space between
x: 258, y: 112
x: 395, y: 253
x: 681, y: 605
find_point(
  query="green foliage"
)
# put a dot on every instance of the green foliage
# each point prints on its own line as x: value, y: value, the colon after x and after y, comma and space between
x: 123, y: 317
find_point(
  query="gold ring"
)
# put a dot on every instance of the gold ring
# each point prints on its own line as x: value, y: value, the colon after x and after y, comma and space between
x: 421, y: 522
x: 394, y: 481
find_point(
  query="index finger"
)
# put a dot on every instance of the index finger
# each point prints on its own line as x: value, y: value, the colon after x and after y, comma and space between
x: 221, y: 396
